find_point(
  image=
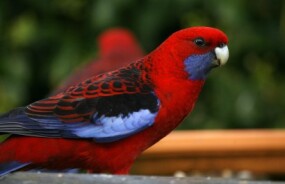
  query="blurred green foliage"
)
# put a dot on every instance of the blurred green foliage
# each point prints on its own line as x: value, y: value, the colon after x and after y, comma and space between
x: 41, y: 42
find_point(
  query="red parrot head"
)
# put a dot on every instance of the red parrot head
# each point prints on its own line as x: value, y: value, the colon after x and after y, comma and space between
x: 195, y: 51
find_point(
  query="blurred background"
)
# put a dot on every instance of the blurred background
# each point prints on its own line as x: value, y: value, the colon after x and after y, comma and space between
x: 42, y: 42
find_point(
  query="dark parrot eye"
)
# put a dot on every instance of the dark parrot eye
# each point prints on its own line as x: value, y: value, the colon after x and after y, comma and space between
x: 200, y: 42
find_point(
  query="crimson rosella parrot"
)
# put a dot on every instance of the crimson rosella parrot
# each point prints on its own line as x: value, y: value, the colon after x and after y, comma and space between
x: 103, y: 123
x: 117, y: 47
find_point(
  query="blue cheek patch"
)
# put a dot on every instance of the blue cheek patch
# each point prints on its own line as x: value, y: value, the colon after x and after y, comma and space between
x: 198, y: 66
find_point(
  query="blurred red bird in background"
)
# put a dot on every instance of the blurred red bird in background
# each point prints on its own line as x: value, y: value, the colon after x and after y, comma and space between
x: 117, y: 47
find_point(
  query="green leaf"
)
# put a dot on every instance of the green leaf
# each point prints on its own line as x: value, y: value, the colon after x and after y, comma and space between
x: 4, y: 137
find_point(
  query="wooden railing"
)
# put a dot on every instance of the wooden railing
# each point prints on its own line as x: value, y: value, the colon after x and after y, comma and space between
x: 258, y: 151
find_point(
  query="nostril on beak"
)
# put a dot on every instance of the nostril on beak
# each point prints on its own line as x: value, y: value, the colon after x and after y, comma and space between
x: 221, y: 45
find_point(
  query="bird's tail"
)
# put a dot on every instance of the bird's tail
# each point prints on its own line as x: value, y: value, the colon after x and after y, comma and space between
x: 13, y: 122
x: 8, y: 167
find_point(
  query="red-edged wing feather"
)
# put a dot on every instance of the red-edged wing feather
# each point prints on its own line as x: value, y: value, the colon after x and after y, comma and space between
x: 75, y: 103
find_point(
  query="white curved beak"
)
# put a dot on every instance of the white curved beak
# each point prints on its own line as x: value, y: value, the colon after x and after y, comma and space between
x: 222, y: 54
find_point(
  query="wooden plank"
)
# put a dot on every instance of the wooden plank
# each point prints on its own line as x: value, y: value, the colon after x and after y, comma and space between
x: 259, y: 151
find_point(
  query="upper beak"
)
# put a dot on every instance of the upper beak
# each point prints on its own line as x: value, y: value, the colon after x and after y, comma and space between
x: 222, y: 55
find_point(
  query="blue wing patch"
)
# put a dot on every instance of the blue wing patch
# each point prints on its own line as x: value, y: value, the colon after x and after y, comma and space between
x: 110, y: 124
x: 109, y: 129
